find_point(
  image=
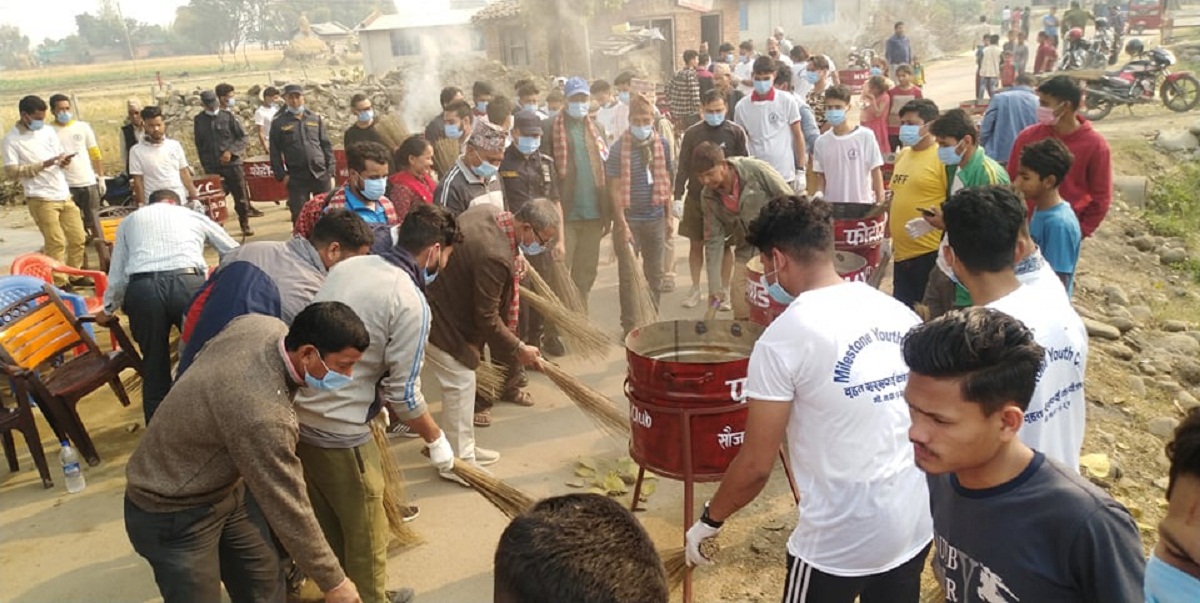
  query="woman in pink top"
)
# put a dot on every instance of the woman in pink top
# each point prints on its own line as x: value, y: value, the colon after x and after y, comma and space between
x: 877, y: 106
x: 904, y: 91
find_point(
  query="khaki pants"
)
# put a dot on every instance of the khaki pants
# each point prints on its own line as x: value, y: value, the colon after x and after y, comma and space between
x: 62, y: 230
x: 737, y: 291
x: 582, y: 241
x: 345, y: 486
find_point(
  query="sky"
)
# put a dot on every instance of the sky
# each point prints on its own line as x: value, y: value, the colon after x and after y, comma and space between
x: 40, y: 21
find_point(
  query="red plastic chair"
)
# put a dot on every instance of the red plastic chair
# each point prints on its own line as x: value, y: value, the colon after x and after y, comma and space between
x: 43, y: 266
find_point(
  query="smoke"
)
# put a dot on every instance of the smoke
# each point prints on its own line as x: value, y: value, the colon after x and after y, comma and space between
x: 422, y: 85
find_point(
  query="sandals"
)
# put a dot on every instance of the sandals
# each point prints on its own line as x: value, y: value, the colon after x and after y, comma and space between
x: 483, y: 418
x: 519, y: 397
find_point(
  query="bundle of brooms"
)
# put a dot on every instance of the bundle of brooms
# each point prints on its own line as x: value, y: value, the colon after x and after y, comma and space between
x: 563, y: 291
x: 445, y: 153
x: 394, y: 498
x: 585, y: 339
x: 489, y: 380
x: 644, y: 309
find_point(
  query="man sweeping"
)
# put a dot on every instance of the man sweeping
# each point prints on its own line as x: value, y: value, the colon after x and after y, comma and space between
x: 342, y: 466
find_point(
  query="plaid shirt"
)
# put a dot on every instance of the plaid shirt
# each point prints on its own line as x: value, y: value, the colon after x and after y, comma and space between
x: 317, y: 206
x: 683, y: 93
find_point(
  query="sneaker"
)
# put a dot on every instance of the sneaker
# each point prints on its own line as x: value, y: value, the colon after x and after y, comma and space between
x: 485, y: 457
x: 693, y: 298
x: 254, y: 213
x: 404, y: 595
x: 401, y: 430
x: 667, y: 284
x: 725, y: 305
x: 451, y: 477
x: 411, y: 512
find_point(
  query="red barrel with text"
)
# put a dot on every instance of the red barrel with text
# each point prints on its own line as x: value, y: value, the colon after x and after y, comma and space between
x: 859, y: 229
x: 764, y: 309
x: 212, y: 196
x: 341, y: 167
x: 686, y: 391
x: 260, y: 180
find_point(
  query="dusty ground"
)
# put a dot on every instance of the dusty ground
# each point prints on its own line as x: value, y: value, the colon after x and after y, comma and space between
x: 56, y: 547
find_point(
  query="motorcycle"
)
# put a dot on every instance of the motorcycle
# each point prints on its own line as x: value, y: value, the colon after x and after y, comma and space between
x: 1137, y: 82
x: 1084, y: 55
x: 860, y: 58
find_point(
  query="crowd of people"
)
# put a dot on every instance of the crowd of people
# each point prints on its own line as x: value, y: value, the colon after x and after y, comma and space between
x: 903, y: 435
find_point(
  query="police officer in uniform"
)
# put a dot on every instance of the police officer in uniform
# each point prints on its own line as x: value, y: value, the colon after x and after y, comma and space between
x: 301, y: 154
x: 221, y: 144
x: 526, y: 173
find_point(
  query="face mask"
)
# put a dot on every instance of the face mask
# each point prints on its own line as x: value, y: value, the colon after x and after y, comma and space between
x: 330, y: 382
x: 761, y: 87
x: 551, y: 113
x: 453, y: 131
x: 714, y: 119
x: 366, y: 116
x: 944, y: 266
x: 532, y: 249
x: 484, y: 170
x: 530, y: 107
x: 481, y: 106
x: 230, y: 102
x: 623, y: 97
x: 1045, y: 116
x: 373, y: 188
x: 910, y: 134
x: 577, y: 110
x: 876, y: 71
x: 835, y: 117
x: 213, y: 113
x: 528, y: 145
x: 427, y: 276
x: 295, y: 110
x: 36, y: 125
x: 1168, y: 584
x: 63, y: 117
x: 949, y: 156
x: 641, y: 132
x: 812, y: 76
x: 777, y: 292
x: 745, y: 59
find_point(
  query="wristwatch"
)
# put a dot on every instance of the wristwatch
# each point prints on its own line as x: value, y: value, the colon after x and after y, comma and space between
x: 708, y: 521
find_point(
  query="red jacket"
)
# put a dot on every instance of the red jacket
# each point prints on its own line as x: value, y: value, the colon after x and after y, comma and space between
x: 1088, y: 186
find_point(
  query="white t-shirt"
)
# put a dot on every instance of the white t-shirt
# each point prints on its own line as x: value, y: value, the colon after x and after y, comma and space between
x: 990, y: 66
x: 768, y: 125
x: 23, y: 146
x: 1054, y: 423
x: 615, y: 120
x: 834, y: 355
x: 264, y: 115
x: 77, y: 137
x: 744, y: 71
x: 847, y: 162
x: 158, y: 165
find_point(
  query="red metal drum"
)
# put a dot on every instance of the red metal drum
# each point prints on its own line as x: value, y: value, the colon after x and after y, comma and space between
x: 260, y: 179
x: 860, y: 228
x: 212, y: 196
x: 342, y: 167
x: 686, y: 390
x: 764, y: 310
x: 854, y: 79
x: 851, y: 266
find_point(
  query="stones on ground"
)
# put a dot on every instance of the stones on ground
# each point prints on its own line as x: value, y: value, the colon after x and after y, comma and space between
x: 1096, y: 466
x: 1100, y: 330
x: 1193, y: 334
x: 1124, y: 325
x: 1136, y: 386
x: 1163, y: 427
x: 1116, y: 295
x: 761, y: 545
x: 1174, y: 326
x: 1188, y: 371
x: 1141, y: 314
x: 1147, y: 368
x: 1173, y: 255
x: 1120, y: 352
x: 1177, y: 140
x: 1162, y: 483
x: 1143, y: 243
x: 1195, y: 127
x: 1177, y: 343
x: 1186, y: 400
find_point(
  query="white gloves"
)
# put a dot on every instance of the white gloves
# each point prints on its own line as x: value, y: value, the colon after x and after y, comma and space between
x: 196, y: 206
x: 918, y: 227
x: 102, y: 186
x: 817, y: 195
x: 698, y: 533
x: 677, y: 208
x: 441, y: 455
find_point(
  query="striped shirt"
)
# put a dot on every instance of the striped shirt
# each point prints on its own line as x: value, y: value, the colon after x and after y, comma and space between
x: 641, y: 187
x: 161, y: 237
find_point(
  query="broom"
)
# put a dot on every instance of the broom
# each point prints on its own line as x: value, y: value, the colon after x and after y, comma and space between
x: 562, y: 283
x: 445, y: 153
x: 595, y: 405
x: 489, y: 380
x: 644, y: 309
x: 585, y: 338
x: 391, y: 130
x: 133, y: 383
x: 675, y: 561
x: 394, y: 500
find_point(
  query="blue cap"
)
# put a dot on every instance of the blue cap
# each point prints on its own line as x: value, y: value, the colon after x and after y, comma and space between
x: 577, y: 85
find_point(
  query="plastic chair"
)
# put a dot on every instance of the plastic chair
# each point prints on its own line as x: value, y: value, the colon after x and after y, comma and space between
x: 36, y: 330
x: 21, y: 419
x: 109, y: 218
x: 43, y: 267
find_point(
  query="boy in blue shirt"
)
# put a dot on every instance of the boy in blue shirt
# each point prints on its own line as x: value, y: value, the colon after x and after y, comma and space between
x: 1053, y: 226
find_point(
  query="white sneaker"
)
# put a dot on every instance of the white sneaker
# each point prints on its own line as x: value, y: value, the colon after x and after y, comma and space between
x: 485, y: 457
x: 693, y: 298
x: 726, y: 306
x: 450, y: 476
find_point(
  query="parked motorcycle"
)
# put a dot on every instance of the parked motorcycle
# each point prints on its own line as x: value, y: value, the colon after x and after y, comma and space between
x: 860, y: 58
x: 1137, y: 82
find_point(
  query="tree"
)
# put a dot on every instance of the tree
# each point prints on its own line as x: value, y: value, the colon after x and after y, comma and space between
x: 14, y: 47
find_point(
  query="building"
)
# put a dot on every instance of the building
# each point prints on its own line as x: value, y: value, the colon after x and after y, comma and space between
x: 802, y: 19
x: 338, y: 37
x: 566, y: 45
x: 420, y: 32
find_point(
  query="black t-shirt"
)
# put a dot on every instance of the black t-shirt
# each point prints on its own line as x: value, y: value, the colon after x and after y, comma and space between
x: 1048, y: 536
x: 369, y: 134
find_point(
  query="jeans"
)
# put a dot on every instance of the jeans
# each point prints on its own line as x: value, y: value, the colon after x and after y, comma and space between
x: 62, y: 232
x: 458, y: 400
x: 649, y: 239
x: 807, y: 584
x: 345, y: 486
x: 301, y: 189
x: 987, y: 85
x: 194, y: 551
x: 582, y: 241
x: 155, y: 302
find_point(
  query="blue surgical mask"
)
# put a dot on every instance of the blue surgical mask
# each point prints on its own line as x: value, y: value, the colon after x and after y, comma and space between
x: 365, y: 116
x: 453, y: 131
x: 532, y: 249
x: 876, y: 71
x: 714, y: 119
x: 484, y: 170
x: 63, y: 117
x: 36, y: 125
x: 762, y: 87
x: 641, y: 132
x: 551, y: 113
x: 812, y: 76
x: 373, y: 188
x: 777, y: 292
x: 623, y: 97
x: 230, y: 102
x: 529, y: 145
x: 481, y: 106
x: 427, y: 276
x: 577, y: 110
x: 1167, y: 584
x: 835, y: 117
x: 729, y: 59
x: 949, y: 156
x: 910, y: 134
x: 212, y: 113
x: 330, y: 382
x: 745, y: 59
x: 530, y: 107
x: 295, y: 111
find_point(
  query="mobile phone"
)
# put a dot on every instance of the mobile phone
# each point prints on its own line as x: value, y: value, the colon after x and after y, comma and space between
x: 925, y: 211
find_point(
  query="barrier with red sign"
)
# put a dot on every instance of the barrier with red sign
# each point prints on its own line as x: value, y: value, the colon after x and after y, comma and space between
x: 854, y: 79
x: 212, y: 197
x: 260, y: 180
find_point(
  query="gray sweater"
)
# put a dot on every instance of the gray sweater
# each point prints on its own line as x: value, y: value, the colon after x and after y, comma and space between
x: 230, y: 418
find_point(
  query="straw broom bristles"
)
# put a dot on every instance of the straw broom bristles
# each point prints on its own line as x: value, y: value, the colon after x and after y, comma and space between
x: 445, y: 153
x: 489, y: 380
x: 585, y: 339
x: 133, y: 383
x: 391, y: 130
x: 675, y: 562
x: 394, y: 500
x: 594, y: 404
x: 644, y: 309
x: 511, y: 501
x: 562, y: 284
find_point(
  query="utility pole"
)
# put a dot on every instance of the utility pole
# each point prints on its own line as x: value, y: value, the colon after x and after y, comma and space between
x: 128, y: 41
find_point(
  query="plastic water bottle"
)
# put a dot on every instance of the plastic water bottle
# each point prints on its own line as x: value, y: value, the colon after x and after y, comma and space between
x: 70, y: 464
